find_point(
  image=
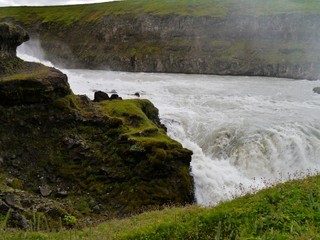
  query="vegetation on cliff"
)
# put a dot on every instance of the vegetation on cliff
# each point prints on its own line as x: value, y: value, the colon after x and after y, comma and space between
x: 267, y: 38
x: 64, y: 157
x: 285, y: 211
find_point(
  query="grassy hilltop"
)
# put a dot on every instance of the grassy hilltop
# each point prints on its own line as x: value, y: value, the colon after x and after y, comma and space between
x: 93, y: 12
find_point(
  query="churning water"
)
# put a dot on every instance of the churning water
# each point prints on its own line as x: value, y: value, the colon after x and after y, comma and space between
x: 245, y: 132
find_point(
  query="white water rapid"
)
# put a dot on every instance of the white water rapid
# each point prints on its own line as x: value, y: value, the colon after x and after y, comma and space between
x: 245, y: 132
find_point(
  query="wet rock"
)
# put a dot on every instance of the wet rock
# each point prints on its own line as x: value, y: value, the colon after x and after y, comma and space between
x: 115, y: 97
x: 137, y: 94
x: 100, y: 96
x: 45, y: 191
x: 10, y: 200
x: 316, y: 90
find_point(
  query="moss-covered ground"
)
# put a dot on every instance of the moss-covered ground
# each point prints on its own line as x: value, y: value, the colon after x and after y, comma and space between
x: 286, y: 211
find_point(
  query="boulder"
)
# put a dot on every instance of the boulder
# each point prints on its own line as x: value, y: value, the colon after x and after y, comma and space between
x: 115, y: 97
x: 45, y: 191
x: 316, y: 90
x: 10, y: 200
x: 100, y: 96
x: 137, y: 94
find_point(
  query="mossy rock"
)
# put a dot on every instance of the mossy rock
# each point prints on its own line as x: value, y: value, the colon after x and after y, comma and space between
x: 11, y: 36
x: 22, y: 82
x: 45, y: 85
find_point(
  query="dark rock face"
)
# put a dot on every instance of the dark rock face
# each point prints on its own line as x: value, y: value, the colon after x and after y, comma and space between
x: 282, y: 45
x: 11, y: 36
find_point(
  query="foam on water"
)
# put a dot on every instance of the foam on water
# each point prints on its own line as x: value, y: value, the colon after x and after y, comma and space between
x: 244, y: 131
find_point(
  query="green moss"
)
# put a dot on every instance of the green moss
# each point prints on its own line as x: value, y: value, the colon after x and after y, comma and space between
x: 69, y: 103
x: 133, y: 52
x: 137, y: 126
x: 26, y: 76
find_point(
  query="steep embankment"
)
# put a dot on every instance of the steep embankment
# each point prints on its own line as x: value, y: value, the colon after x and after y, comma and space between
x: 273, y: 38
x: 285, y: 211
x: 62, y: 155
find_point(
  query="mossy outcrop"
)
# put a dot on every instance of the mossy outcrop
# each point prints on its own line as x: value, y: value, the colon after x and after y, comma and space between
x: 10, y: 38
x: 64, y: 155
x: 25, y: 82
x: 44, y: 85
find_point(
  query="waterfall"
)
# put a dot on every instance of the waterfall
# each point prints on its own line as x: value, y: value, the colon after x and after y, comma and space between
x: 245, y: 132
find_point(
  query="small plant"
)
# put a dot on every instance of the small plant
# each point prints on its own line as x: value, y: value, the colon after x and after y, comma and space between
x: 5, y: 220
x: 69, y: 220
x: 133, y: 52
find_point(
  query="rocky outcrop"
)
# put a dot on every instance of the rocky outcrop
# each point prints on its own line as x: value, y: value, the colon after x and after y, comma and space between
x: 11, y: 37
x: 22, y: 82
x: 44, y: 86
x: 63, y: 155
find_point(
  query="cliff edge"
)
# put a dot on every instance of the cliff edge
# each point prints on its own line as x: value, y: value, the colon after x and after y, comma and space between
x: 64, y: 157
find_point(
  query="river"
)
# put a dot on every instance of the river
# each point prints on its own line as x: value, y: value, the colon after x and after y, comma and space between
x: 246, y: 133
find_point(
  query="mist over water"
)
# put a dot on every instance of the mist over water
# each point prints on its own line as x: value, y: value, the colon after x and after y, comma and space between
x: 244, y: 131
x: 32, y: 52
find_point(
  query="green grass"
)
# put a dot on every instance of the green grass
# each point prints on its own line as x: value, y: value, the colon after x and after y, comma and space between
x: 26, y: 76
x: 93, y: 12
x: 286, y: 211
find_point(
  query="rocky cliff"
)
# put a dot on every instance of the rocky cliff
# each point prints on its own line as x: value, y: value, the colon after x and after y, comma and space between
x: 208, y: 37
x: 64, y: 157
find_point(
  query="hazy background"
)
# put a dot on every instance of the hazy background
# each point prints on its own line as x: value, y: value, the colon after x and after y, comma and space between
x: 46, y: 2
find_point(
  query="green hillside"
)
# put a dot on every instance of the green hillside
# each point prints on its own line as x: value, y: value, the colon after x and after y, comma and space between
x: 286, y: 211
